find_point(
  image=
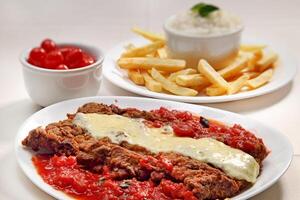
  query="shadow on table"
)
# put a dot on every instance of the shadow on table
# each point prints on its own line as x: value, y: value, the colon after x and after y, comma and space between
x: 273, y: 193
x: 13, y: 182
x: 13, y: 115
x: 255, y: 103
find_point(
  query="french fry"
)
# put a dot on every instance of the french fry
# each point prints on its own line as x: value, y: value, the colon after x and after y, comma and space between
x: 199, y: 80
x: 171, y: 86
x: 164, y: 73
x: 252, y: 57
x: 191, y: 80
x: 260, y: 80
x: 187, y: 71
x: 149, y: 36
x: 252, y: 61
x: 136, y: 77
x: 251, y: 74
x: 214, y: 91
x: 143, y: 51
x: 129, y: 46
x: 252, y: 47
x: 151, y: 55
x: 162, y: 53
x: 258, y: 54
x: 169, y: 65
x: 151, y: 84
x: 210, y: 73
x: 199, y: 88
x: 149, y: 65
x: 231, y: 70
x: 245, y: 89
x: 236, y: 85
x: 267, y: 60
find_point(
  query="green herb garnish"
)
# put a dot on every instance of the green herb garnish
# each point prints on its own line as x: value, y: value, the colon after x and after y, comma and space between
x: 125, y: 184
x: 204, y: 9
x: 101, y: 180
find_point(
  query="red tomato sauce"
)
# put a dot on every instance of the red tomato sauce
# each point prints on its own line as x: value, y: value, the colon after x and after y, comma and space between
x: 64, y: 174
x: 185, y: 124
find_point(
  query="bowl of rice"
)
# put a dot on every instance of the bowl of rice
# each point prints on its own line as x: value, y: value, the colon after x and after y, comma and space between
x: 203, y: 32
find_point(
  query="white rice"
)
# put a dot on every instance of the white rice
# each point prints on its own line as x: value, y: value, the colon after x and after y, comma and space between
x: 216, y: 23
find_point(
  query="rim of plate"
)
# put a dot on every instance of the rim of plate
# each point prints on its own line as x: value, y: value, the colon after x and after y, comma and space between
x: 152, y: 103
x: 116, y: 78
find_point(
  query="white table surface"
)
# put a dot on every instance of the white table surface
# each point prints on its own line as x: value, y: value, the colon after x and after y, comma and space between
x: 106, y: 23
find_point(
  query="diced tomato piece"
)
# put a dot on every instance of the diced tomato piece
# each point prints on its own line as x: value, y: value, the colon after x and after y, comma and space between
x: 183, y: 129
x: 176, y: 191
x: 183, y: 115
x: 166, y: 164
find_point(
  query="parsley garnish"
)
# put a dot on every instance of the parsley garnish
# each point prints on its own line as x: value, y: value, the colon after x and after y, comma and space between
x: 101, y: 180
x: 125, y: 184
x: 204, y: 9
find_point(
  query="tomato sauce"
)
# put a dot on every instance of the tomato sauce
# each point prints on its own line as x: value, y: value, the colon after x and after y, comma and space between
x: 65, y: 174
x: 185, y: 124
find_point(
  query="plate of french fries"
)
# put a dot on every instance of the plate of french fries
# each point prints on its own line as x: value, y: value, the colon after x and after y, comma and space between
x: 142, y: 66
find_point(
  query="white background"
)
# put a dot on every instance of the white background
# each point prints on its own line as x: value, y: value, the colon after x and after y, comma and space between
x: 25, y: 23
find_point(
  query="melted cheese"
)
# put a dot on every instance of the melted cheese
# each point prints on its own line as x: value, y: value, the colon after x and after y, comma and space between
x: 233, y: 162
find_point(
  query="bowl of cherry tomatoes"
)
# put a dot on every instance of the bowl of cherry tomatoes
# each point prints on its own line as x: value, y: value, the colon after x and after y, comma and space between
x: 54, y: 72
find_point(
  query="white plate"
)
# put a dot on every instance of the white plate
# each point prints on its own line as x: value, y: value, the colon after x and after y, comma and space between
x: 273, y: 166
x: 284, y: 73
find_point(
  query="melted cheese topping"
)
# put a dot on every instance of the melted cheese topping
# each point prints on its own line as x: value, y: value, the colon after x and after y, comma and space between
x: 233, y: 162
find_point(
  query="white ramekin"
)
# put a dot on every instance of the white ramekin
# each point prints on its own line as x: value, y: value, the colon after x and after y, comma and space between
x: 47, y: 86
x: 218, y: 50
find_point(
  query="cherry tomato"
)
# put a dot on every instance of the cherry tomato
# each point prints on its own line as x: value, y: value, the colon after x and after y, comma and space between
x: 183, y: 130
x: 66, y: 49
x: 86, y: 60
x: 53, y: 59
x: 37, y: 56
x: 62, y: 67
x: 183, y: 115
x: 51, y: 56
x: 73, y: 58
x: 48, y: 45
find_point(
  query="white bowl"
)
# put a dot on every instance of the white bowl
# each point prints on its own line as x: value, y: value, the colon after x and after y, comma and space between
x: 48, y: 86
x: 218, y: 50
